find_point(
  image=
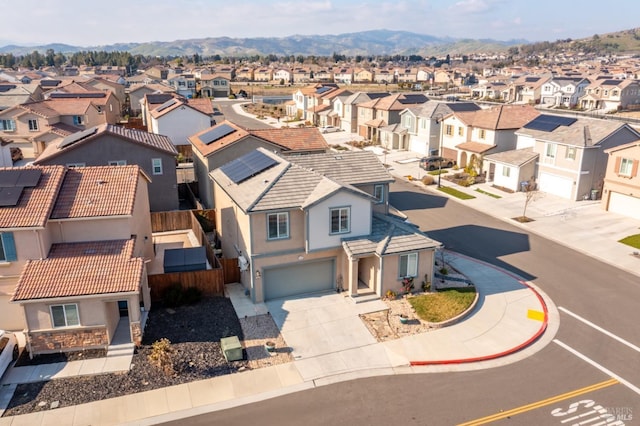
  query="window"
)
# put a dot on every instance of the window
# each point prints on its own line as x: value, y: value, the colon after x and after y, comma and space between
x: 340, y: 220
x: 33, y: 125
x: 65, y: 315
x: 550, y: 150
x: 408, y: 265
x: 8, y: 125
x: 506, y: 171
x: 378, y: 193
x: 118, y: 163
x: 73, y: 165
x: 7, y: 247
x: 77, y: 120
x: 482, y: 133
x: 448, y: 130
x: 571, y: 153
x: 156, y: 166
x: 626, y: 166
x: 460, y: 131
x: 408, y: 121
x: 277, y: 225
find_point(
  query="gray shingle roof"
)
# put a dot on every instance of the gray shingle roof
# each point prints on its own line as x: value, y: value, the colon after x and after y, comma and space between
x: 583, y: 132
x: 515, y: 157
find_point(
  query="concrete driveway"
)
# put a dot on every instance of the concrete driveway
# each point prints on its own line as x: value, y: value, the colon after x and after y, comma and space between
x: 322, y: 323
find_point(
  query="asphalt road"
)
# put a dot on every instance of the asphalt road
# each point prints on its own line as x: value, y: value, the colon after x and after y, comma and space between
x: 225, y: 106
x: 590, y: 372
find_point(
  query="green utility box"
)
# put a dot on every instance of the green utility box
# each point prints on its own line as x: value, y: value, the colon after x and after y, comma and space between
x: 231, y: 348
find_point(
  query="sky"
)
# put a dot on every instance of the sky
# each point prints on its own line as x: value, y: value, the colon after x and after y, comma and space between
x: 88, y: 23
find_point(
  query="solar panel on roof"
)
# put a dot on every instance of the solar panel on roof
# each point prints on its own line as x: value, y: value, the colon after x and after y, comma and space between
x: 10, y: 196
x: 611, y: 82
x: 9, y: 177
x: 166, y: 105
x: 531, y: 79
x: 29, y: 177
x: 216, y: 133
x: 78, y: 136
x: 548, y: 123
x: 247, y: 166
x: 322, y: 90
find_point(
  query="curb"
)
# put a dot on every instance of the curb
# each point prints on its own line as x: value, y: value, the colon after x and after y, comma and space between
x: 517, y: 348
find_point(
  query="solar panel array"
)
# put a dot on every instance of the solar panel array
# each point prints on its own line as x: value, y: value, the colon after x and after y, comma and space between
x: 76, y: 137
x: 166, y: 105
x: 84, y: 95
x: 322, y: 90
x: 13, y: 182
x: 216, y: 133
x: 548, y: 123
x: 611, y: 82
x: 247, y: 166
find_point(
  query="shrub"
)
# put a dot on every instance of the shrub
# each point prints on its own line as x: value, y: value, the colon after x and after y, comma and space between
x: 428, y: 180
x: 407, y: 285
x: 390, y: 294
x: 161, y: 356
x: 177, y: 296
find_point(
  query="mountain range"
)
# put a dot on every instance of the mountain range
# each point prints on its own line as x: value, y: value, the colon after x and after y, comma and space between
x: 375, y: 42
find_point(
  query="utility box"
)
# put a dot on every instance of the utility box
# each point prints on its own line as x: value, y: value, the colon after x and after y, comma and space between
x: 231, y: 348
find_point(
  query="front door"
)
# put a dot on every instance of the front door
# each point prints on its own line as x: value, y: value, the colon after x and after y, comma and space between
x: 123, y: 308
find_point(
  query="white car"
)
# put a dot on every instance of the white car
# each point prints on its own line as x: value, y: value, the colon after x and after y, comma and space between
x: 329, y: 129
x: 9, y: 350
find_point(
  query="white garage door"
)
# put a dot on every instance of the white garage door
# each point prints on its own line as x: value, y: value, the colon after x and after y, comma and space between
x: 555, y: 185
x: 299, y: 278
x: 625, y: 205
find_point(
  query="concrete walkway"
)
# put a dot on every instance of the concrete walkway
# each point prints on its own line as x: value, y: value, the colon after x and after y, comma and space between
x: 511, y: 321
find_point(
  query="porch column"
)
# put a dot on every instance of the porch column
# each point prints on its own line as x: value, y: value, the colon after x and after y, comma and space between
x: 353, y: 277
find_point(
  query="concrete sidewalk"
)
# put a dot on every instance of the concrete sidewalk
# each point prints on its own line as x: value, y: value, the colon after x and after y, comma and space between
x: 512, y: 320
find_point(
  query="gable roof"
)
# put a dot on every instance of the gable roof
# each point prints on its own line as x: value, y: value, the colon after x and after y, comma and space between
x: 501, y: 117
x: 167, y: 108
x: 139, y: 137
x: 294, y: 139
x: 207, y: 148
x: 514, y: 157
x: 80, y: 269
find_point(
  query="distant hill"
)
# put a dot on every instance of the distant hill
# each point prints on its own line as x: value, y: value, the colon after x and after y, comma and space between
x: 376, y: 42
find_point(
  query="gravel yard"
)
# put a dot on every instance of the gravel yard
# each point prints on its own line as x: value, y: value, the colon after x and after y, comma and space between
x: 194, y: 331
x: 385, y: 325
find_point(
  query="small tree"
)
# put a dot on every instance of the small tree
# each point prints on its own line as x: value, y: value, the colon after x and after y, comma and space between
x: 530, y: 190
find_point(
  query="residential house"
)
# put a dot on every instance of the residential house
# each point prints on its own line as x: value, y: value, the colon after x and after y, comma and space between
x: 424, y: 75
x: 384, y: 76
x: 283, y: 76
x: 245, y: 74
x: 316, y: 225
x: 362, y: 75
x: 14, y: 94
x: 526, y: 89
x: 104, y: 100
x: 183, y: 84
x: 406, y: 75
x: 343, y: 75
x: 137, y: 92
x: 610, y: 95
x: 301, y: 75
x: 157, y: 73
x: 309, y: 97
x: 180, y: 118
x: 563, y: 91
x: 621, y: 193
x: 349, y: 119
x: 381, y: 112
x: 214, y: 86
x: 469, y: 135
x: 572, y: 159
x: 423, y: 124
x: 323, y: 75
x: 217, y: 145
x: 508, y: 170
x: 115, y: 145
x: 263, y: 75
x: 75, y: 243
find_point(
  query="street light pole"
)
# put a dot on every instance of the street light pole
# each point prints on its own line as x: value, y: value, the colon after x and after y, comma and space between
x: 439, y: 122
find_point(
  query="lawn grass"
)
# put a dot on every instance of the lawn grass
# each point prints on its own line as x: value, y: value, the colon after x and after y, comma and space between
x: 438, y: 172
x: 487, y: 193
x: 443, y: 305
x: 631, y: 240
x: 456, y: 193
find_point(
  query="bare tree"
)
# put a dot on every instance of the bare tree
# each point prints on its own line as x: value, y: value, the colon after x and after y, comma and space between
x: 530, y: 190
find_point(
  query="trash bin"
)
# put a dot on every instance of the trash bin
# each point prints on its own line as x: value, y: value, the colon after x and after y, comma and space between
x: 594, y: 194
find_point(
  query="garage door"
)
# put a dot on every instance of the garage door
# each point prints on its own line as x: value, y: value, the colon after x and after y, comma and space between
x: 298, y: 278
x: 625, y: 205
x: 555, y: 185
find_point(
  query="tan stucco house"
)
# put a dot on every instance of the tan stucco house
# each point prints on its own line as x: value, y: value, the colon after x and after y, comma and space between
x: 621, y: 192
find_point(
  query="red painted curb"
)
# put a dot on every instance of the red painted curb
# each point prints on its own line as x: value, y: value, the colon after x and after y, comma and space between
x: 532, y: 339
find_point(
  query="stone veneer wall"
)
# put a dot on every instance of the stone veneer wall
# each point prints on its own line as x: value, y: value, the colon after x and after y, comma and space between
x: 68, y: 340
x: 136, y: 333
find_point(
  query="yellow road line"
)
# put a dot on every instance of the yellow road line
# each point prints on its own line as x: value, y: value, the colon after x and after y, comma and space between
x: 542, y: 403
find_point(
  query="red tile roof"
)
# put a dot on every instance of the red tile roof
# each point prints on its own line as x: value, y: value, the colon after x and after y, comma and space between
x: 97, y: 191
x: 35, y: 204
x: 502, y: 117
x: 294, y: 139
x: 79, y: 269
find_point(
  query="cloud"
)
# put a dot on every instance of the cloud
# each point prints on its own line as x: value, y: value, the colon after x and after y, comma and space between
x: 472, y: 6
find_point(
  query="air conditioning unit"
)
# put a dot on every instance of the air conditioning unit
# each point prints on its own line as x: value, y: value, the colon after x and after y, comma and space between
x: 243, y: 263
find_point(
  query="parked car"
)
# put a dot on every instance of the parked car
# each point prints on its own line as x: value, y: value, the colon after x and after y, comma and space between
x: 329, y: 129
x: 9, y: 350
x: 435, y: 162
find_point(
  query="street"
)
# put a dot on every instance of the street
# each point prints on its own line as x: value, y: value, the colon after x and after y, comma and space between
x: 589, y: 373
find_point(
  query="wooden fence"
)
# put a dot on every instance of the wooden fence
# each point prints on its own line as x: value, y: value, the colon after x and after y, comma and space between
x: 210, y: 282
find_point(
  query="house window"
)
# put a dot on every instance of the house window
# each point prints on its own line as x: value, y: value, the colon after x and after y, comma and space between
x: 340, y: 220
x: 65, y: 315
x: 33, y: 125
x: 7, y: 247
x: 74, y: 165
x: 118, y: 163
x: 156, y: 166
x: 626, y: 166
x: 408, y: 265
x: 614, y: 93
x: 550, y: 150
x: 506, y: 171
x: 448, y: 130
x: 571, y: 153
x: 278, y: 225
x: 8, y: 125
x: 378, y: 193
x: 460, y: 131
x: 408, y: 121
x: 482, y: 133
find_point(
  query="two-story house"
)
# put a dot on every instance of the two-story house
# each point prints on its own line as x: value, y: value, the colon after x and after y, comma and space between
x: 572, y: 159
x: 138, y: 91
x: 113, y: 145
x: 313, y: 223
x: 621, y: 193
x: 610, y: 94
x: 214, y: 86
x: 75, y: 242
x: 563, y: 91
x: 350, y: 115
x: 184, y: 85
x: 379, y: 113
x: 180, y: 118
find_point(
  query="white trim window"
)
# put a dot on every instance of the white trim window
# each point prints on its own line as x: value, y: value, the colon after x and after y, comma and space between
x: 626, y: 166
x: 75, y: 165
x: 378, y: 193
x: 550, y: 153
x: 8, y: 125
x: 408, y: 266
x: 506, y: 171
x: 64, y: 315
x: 33, y: 124
x: 156, y: 166
x: 571, y: 153
x: 118, y: 162
x: 340, y: 220
x: 277, y: 225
